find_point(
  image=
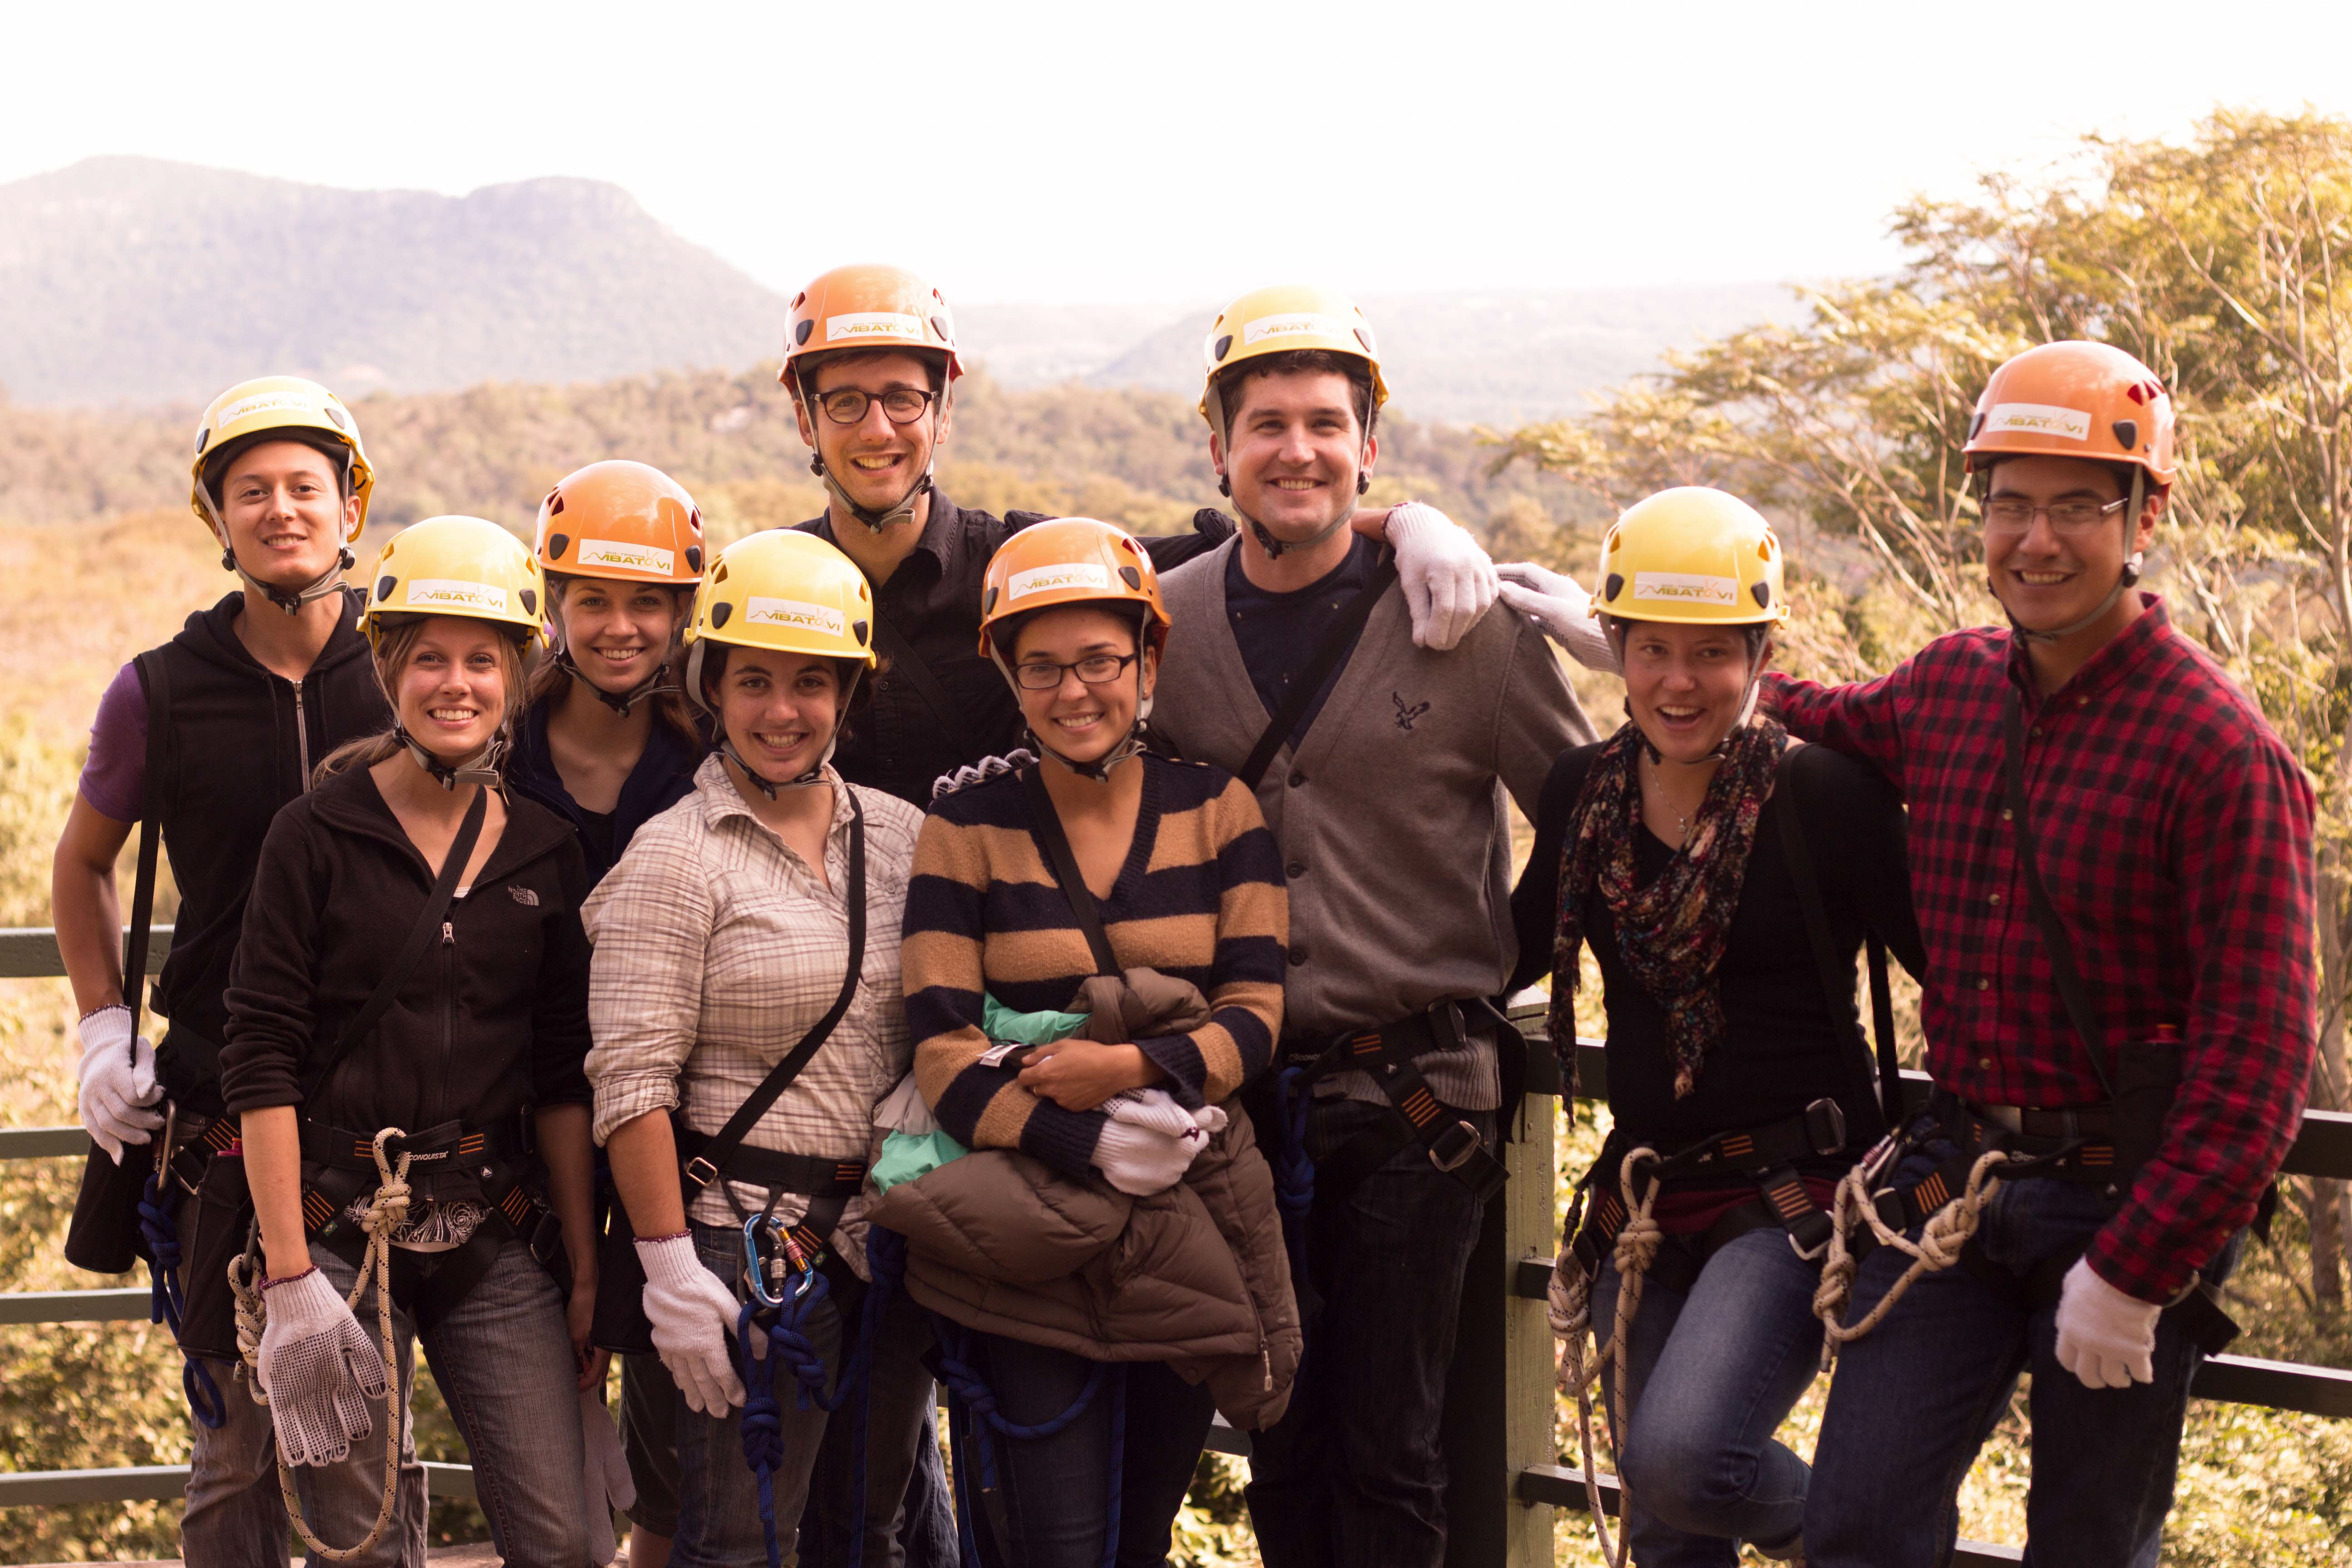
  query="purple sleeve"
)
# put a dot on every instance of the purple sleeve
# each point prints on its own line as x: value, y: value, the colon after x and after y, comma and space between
x: 114, y: 780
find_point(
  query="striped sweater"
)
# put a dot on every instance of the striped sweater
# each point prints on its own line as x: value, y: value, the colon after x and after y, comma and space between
x: 1199, y: 898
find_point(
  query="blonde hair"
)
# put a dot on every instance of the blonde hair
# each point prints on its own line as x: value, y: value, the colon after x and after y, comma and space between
x: 395, y: 647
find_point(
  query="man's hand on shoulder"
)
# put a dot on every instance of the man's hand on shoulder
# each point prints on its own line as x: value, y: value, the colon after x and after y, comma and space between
x: 1449, y: 584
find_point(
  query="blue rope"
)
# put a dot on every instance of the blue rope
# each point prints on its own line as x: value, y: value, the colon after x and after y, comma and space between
x: 166, y: 1304
x: 1294, y: 1172
x: 968, y: 1395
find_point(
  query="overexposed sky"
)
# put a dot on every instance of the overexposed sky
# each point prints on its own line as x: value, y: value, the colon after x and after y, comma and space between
x: 1043, y: 151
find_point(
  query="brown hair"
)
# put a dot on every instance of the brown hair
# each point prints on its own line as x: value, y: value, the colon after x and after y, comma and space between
x: 217, y: 465
x: 1235, y: 379
x: 714, y: 670
x: 393, y: 650
x: 549, y: 678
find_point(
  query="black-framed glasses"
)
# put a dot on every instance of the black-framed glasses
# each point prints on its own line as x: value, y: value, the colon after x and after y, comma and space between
x: 1095, y: 670
x: 900, y: 404
x: 2015, y: 514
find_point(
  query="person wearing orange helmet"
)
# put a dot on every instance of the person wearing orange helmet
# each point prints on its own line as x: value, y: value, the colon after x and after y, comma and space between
x: 1101, y: 878
x: 200, y: 742
x: 872, y: 360
x: 2111, y: 854
x: 1381, y: 767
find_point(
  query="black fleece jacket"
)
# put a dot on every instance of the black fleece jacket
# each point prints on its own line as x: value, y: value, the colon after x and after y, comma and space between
x: 493, y: 1020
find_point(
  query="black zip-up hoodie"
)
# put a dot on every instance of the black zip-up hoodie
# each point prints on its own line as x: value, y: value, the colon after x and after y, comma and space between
x: 493, y: 1020
x: 242, y: 744
x: 664, y: 776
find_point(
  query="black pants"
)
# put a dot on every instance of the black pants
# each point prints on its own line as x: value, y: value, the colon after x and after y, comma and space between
x: 1353, y: 1476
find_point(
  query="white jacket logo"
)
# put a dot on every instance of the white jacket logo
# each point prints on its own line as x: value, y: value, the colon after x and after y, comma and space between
x: 794, y: 612
x: 426, y: 593
x: 1070, y: 574
x: 2039, y: 419
x: 1685, y: 588
x: 628, y: 557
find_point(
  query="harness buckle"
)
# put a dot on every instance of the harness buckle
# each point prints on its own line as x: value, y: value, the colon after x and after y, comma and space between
x: 1454, y: 1147
x: 700, y: 1172
x: 1825, y: 1126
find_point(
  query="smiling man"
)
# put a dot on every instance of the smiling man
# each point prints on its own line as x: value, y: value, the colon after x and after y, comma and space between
x: 2111, y: 854
x: 234, y: 712
x: 1381, y: 766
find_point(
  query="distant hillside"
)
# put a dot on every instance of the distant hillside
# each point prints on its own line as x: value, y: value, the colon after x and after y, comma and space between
x: 136, y: 280
x: 1495, y: 358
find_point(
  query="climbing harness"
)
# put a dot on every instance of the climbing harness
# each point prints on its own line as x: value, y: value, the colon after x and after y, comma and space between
x: 781, y: 1289
x: 1569, y: 1307
x: 972, y: 1410
x: 159, y: 1202
x: 385, y: 1214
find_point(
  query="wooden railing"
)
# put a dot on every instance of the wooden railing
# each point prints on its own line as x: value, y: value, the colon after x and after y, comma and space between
x: 1499, y: 1427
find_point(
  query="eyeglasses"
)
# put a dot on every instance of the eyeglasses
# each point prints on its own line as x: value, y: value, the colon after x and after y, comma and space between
x: 1095, y: 670
x: 2013, y: 514
x: 847, y: 405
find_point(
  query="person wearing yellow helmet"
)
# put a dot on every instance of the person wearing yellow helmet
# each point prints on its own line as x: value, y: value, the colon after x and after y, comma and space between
x: 872, y: 359
x: 1724, y: 878
x: 351, y: 1054
x: 2115, y: 857
x: 1381, y: 766
x: 746, y: 1008
x: 201, y: 741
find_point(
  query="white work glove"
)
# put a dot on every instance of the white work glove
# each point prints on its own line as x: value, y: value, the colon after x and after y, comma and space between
x: 606, y: 1478
x: 118, y: 1082
x: 693, y: 1316
x: 1148, y: 1143
x: 319, y: 1369
x: 2104, y: 1338
x: 1559, y: 607
x: 1447, y: 580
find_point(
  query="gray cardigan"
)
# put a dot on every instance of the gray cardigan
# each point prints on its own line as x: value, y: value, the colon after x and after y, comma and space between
x: 1394, y: 831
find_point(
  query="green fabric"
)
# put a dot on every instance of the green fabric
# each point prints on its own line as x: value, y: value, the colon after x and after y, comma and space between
x: 1003, y: 1025
x: 907, y: 1155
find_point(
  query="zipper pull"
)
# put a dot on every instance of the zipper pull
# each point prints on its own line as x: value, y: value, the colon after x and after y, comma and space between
x: 448, y: 933
x: 1266, y: 1360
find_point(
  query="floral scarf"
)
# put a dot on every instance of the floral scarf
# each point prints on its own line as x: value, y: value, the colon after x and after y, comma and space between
x: 1672, y: 933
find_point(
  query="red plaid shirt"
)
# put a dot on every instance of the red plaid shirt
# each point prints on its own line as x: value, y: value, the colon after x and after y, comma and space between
x: 2174, y: 830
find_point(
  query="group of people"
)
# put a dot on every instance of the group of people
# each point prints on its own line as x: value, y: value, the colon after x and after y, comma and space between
x: 925, y: 947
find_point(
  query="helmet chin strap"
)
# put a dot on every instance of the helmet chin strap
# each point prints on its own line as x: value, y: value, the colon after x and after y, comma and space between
x: 876, y: 520
x: 1133, y: 745
x: 620, y: 702
x: 1276, y: 548
x: 327, y: 582
x: 2126, y: 579
x: 815, y: 773
x: 481, y: 768
x: 1721, y: 748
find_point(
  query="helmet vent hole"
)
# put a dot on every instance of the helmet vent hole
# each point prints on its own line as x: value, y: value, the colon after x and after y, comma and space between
x: 721, y: 575
x: 1365, y: 338
x: 799, y: 298
x: 694, y: 558
x: 555, y: 502
x: 1763, y: 592
x: 720, y: 612
x: 861, y: 630
x: 802, y: 328
x: 204, y: 439
x: 694, y: 519
x: 557, y: 543
x: 987, y: 600
x: 530, y: 597
x: 1976, y: 424
x: 1131, y: 577
x: 1224, y: 346
x: 385, y: 585
x: 1614, y: 586
x: 2128, y: 433
x: 939, y: 325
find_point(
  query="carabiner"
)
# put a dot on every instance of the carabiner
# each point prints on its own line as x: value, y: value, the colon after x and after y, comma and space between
x: 790, y: 1264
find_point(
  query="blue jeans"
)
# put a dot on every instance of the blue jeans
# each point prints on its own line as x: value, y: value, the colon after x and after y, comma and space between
x: 1354, y: 1474
x: 1051, y: 1494
x: 907, y: 1518
x: 1914, y: 1400
x: 1712, y: 1376
x: 503, y: 1361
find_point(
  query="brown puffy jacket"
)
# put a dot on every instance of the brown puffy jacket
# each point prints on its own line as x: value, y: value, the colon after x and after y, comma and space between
x: 1195, y: 1276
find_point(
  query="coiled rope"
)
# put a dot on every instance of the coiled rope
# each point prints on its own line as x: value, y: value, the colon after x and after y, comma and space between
x: 969, y: 1395
x: 166, y: 1304
x: 1941, y: 1241
x: 1570, y: 1307
x: 385, y: 1214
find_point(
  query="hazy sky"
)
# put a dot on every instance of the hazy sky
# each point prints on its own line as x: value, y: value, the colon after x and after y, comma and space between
x: 1036, y: 152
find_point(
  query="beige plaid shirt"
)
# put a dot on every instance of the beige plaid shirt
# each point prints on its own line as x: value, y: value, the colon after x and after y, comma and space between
x: 716, y: 949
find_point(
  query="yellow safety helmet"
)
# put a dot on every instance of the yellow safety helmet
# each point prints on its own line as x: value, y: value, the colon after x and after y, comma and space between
x: 785, y: 590
x: 1280, y: 319
x: 1693, y: 555
x: 457, y: 566
x: 302, y: 410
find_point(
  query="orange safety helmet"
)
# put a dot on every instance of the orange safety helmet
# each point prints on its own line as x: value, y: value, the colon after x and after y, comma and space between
x: 867, y: 306
x: 2074, y: 399
x: 621, y: 520
x: 1068, y: 560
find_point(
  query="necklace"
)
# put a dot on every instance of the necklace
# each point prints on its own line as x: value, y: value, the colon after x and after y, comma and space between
x: 1666, y: 800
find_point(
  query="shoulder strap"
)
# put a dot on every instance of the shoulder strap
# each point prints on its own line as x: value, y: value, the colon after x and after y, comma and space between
x: 904, y: 661
x: 704, y: 1168
x: 1048, y: 825
x: 2071, y: 989
x: 1837, y: 979
x: 155, y: 677
x: 1327, y: 655
x: 412, y: 952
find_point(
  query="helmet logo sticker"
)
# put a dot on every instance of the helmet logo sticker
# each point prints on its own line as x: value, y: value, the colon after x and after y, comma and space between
x: 1684, y: 588
x: 1045, y: 579
x: 2040, y: 419
x: 628, y: 557
x: 556, y: 544
x: 872, y: 324
x: 797, y: 613
x: 450, y: 592
x: 1294, y: 324
x: 265, y: 403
